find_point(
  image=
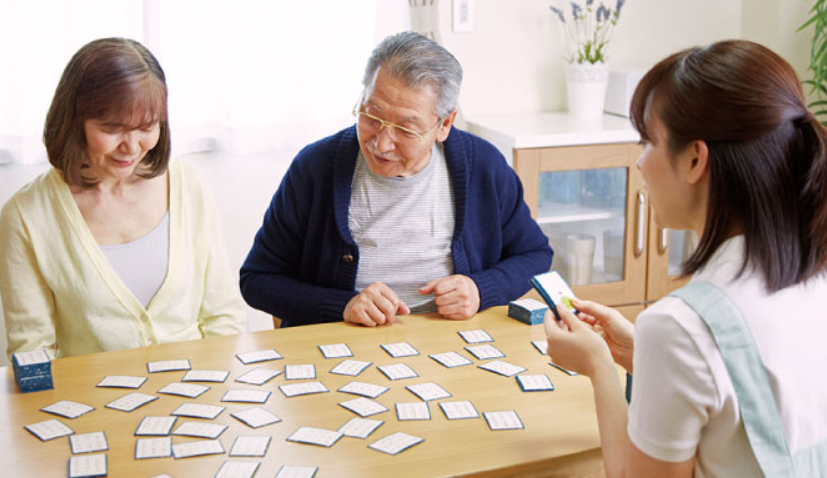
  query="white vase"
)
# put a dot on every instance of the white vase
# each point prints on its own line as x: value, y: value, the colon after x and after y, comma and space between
x: 586, y: 86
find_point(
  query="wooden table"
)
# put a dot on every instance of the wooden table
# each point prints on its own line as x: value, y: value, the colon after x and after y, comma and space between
x: 560, y: 436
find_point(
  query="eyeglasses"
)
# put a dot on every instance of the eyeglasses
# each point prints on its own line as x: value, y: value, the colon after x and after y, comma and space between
x: 371, y: 123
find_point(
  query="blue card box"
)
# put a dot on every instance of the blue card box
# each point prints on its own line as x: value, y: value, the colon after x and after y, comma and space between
x: 527, y: 311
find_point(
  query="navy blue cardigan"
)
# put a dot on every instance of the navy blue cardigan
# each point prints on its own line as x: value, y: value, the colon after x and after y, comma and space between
x: 302, y: 266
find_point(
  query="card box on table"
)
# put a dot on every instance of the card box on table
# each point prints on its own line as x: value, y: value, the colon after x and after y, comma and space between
x: 32, y: 370
x: 528, y: 311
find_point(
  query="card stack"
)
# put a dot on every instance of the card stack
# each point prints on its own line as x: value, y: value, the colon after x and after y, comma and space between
x: 528, y: 311
x: 32, y: 371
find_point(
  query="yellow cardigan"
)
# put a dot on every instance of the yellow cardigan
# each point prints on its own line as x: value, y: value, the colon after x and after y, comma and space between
x: 60, y: 293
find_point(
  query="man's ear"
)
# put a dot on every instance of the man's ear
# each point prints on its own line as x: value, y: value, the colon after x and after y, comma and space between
x: 445, y: 126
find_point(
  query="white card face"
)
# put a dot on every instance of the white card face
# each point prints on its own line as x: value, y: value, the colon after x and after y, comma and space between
x: 31, y: 357
x: 350, y: 367
x: 155, y: 426
x: 413, y: 411
x: 335, y: 351
x: 198, y: 410
x: 189, y: 390
x: 168, y: 366
x: 153, y: 448
x: 250, y: 446
x: 459, y: 410
x: 429, y: 391
x: 205, y: 376
x: 121, y: 381
x: 531, y: 304
x: 305, y: 388
x: 315, y: 436
x: 247, y: 396
x: 508, y: 420
x: 200, y: 430
x: 400, y: 349
x: 554, y: 285
x: 68, y: 409
x: 364, y: 407
x: 237, y: 469
x: 502, y: 368
x: 197, y: 448
x: 476, y: 336
x: 256, y: 417
x: 297, y: 472
x: 364, y: 389
x: 395, y: 443
x: 541, y: 346
x: 49, y: 430
x: 535, y: 383
x: 485, y: 352
x: 258, y: 356
x: 451, y: 359
x: 397, y: 371
x: 258, y: 376
x: 88, y: 442
x: 130, y: 402
x: 87, y: 466
x: 300, y: 372
x: 360, y: 427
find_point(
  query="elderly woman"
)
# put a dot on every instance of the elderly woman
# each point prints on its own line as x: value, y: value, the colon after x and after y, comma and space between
x: 116, y: 246
x: 728, y: 371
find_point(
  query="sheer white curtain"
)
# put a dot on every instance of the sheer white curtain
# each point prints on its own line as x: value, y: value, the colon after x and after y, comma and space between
x: 244, y: 76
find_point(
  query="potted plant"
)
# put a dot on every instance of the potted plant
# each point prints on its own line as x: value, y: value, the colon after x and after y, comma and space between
x: 587, y: 31
x: 818, y: 59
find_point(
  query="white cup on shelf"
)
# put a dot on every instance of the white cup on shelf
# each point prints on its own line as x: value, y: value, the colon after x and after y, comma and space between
x: 581, y: 258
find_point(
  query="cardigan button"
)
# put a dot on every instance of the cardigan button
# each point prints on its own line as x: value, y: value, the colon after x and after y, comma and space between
x: 347, y: 258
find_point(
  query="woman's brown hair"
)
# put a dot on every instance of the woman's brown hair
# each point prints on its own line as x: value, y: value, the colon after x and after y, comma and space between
x: 115, y: 79
x: 767, y: 154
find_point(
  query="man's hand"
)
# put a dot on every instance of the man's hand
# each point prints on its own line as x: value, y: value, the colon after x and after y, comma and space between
x: 457, y: 297
x: 376, y: 305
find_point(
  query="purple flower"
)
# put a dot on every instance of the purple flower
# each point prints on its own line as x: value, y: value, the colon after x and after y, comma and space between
x: 618, y: 7
x: 575, y: 9
x: 603, y: 13
x: 559, y: 13
x: 589, y: 3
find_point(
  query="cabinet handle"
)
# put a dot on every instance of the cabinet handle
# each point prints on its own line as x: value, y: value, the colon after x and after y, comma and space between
x: 664, y: 240
x: 641, y: 223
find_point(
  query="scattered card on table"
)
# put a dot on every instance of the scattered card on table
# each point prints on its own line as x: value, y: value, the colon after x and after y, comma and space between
x: 67, y: 409
x: 258, y: 376
x: 198, y: 410
x: 168, y: 366
x: 565, y: 371
x: 130, y: 402
x: 397, y: 371
x: 360, y: 427
x: 197, y: 448
x: 88, y: 442
x: 475, y: 336
x: 428, y: 391
x: 508, y: 420
x: 255, y: 417
x: 300, y: 372
x: 200, y: 430
x: 541, y: 346
x: 400, y: 349
x: 413, y: 411
x: 237, y: 469
x: 258, y: 356
x: 121, y: 381
x: 535, y: 383
x: 395, y: 443
x: 350, y: 367
x: 205, y: 376
x: 502, y: 368
x: 459, y: 410
x: 49, y: 430
x: 297, y: 471
x: 250, y: 446
x: 246, y: 396
x: 335, y: 351
x: 153, y: 448
x: 188, y: 390
x: 315, y: 436
x: 485, y: 352
x: 87, y: 466
x: 155, y: 426
x: 451, y: 359
x: 364, y: 389
x: 364, y: 407
x: 305, y: 388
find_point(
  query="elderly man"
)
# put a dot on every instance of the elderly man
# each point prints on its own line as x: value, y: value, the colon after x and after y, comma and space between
x: 398, y: 214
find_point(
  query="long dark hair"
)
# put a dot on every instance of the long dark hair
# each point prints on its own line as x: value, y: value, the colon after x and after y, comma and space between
x: 109, y: 78
x: 767, y: 154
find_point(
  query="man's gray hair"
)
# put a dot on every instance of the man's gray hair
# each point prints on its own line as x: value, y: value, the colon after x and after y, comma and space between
x: 418, y: 61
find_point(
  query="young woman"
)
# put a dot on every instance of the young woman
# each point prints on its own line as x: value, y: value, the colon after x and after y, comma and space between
x: 728, y: 372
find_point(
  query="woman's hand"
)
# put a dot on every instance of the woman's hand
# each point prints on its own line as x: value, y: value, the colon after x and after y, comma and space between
x: 617, y: 330
x: 574, y: 345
